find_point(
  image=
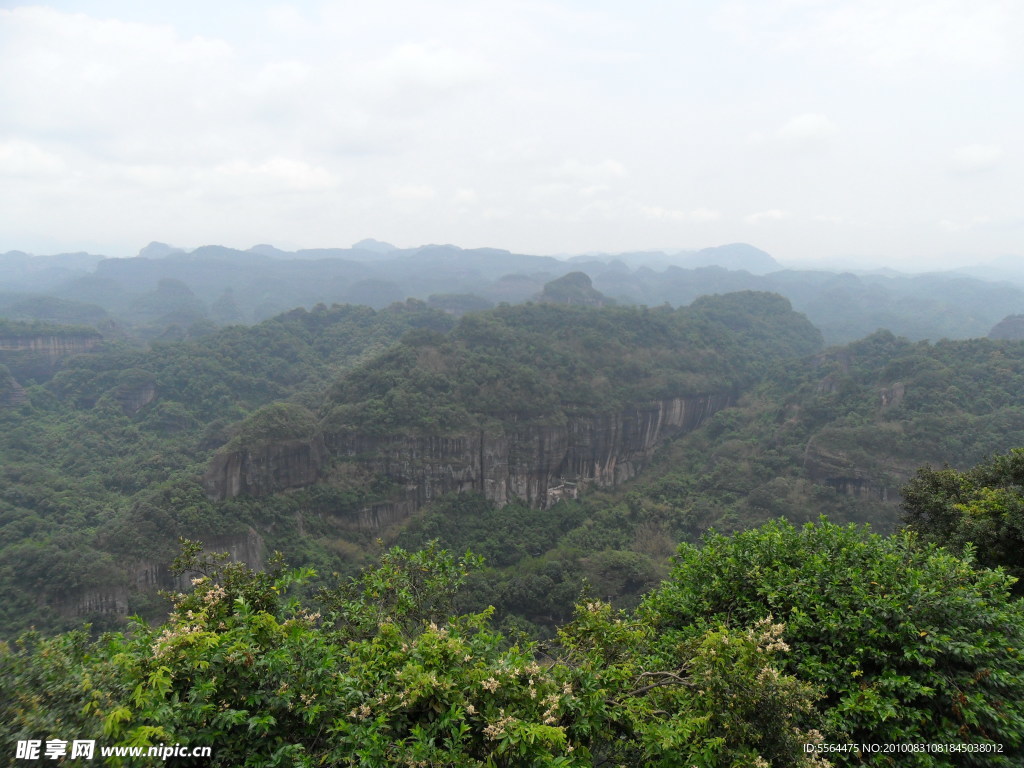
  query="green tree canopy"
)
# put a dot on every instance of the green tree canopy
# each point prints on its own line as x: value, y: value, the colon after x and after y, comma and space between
x: 981, y: 508
x: 909, y: 643
x: 375, y: 681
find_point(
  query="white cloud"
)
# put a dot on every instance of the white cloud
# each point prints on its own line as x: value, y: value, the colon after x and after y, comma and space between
x: 807, y: 127
x: 431, y: 65
x: 413, y: 192
x: 75, y: 76
x: 277, y: 173
x: 910, y: 36
x: 965, y: 226
x: 920, y: 32
x: 668, y: 214
x: 574, y: 169
x: 705, y: 214
x: 975, y: 158
x: 142, y: 117
x: 761, y: 216
x: 25, y: 159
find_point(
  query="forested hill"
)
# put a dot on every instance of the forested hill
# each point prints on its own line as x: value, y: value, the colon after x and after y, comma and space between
x: 101, y: 452
x: 548, y: 362
x: 519, y: 432
x: 102, y: 461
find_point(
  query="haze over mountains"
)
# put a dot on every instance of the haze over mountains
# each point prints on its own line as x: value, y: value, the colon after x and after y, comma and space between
x: 167, y: 290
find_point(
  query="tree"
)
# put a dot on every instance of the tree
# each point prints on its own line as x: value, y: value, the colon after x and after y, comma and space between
x: 910, y: 644
x: 980, y: 510
x: 384, y: 678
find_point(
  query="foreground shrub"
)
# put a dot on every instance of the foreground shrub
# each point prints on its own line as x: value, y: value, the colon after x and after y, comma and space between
x: 909, y: 644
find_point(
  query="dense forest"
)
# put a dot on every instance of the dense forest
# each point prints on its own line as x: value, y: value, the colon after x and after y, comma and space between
x: 563, y: 532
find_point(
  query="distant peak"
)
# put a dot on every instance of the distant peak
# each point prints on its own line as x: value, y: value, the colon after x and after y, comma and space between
x: 264, y: 249
x: 734, y: 256
x: 157, y: 250
x: 376, y: 246
x: 574, y: 288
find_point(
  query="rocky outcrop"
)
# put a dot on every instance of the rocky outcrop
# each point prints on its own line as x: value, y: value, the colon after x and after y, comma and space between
x: 834, y: 470
x: 892, y: 396
x: 1010, y: 328
x: 112, y: 601
x: 538, y: 464
x: 38, y: 355
x: 53, y: 347
x: 151, y: 575
x: 12, y: 394
x: 133, y: 398
x: 574, y: 288
x: 265, y: 468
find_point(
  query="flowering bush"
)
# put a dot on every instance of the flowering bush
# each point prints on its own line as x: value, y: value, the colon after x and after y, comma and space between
x: 909, y: 644
x: 381, y: 677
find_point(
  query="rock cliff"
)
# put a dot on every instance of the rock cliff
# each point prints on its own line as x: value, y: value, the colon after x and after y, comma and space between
x: 149, y: 575
x: 265, y: 468
x: 53, y: 347
x: 134, y: 397
x: 538, y: 464
x: 37, y: 356
x: 12, y: 394
x: 835, y: 470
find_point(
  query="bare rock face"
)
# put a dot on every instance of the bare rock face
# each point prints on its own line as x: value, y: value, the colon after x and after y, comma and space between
x: 538, y: 464
x: 37, y: 356
x: 51, y: 346
x: 892, y: 396
x: 266, y: 468
x: 835, y: 470
x: 150, y: 575
x: 1010, y: 327
x: 12, y: 394
x: 134, y: 398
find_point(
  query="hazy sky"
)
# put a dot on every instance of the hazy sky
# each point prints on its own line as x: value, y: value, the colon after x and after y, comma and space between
x: 868, y: 131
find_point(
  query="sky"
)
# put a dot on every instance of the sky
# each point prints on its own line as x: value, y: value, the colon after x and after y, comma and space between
x: 861, y: 132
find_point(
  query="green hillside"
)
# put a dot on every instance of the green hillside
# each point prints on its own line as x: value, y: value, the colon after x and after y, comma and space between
x: 103, y: 460
x: 545, y: 362
x: 575, y: 640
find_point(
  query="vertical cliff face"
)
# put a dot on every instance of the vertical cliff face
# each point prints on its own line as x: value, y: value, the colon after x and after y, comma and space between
x: 265, y: 468
x: 12, y: 394
x: 52, y: 347
x: 133, y: 398
x: 150, y: 575
x: 537, y: 464
x: 833, y: 468
x: 37, y: 356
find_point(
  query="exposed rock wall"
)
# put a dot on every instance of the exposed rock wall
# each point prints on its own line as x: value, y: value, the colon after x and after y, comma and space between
x: 52, y: 346
x: 134, y: 398
x: 37, y: 356
x: 265, y: 469
x: 12, y: 394
x: 151, y: 575
x: 835, y: 470
x: 535, y: 463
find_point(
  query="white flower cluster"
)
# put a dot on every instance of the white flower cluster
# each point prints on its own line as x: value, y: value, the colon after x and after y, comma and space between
x: 170, y: 634
x: 768, y: 636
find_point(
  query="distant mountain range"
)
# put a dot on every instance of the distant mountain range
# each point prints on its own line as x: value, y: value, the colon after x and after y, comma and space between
x: 169, y: 292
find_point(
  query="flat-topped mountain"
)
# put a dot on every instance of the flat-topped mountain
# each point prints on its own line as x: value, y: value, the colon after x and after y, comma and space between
x: 519, y: 402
